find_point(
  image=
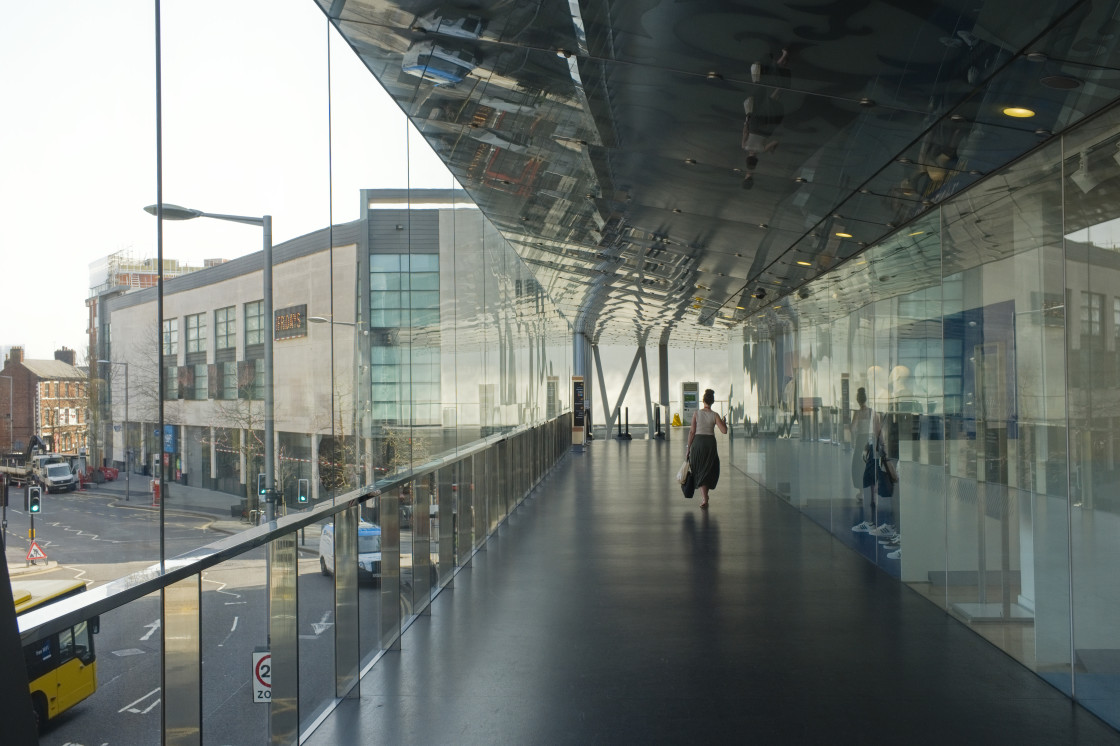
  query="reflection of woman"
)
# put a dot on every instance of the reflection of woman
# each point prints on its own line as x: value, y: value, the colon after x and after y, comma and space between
x: 703, y: 460
x: 865, y: 434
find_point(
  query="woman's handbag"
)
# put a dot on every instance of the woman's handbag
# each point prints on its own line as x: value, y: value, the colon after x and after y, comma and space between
x: 688, y: 487
x: 885, y: 474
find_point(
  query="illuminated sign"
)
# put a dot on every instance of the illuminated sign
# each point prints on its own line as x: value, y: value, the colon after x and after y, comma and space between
x: 290, y: 322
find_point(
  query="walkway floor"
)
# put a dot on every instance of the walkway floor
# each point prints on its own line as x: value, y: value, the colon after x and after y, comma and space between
x: 611, y: 610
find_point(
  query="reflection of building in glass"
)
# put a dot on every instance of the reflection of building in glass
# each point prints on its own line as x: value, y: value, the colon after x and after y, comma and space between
x: 365, y: 382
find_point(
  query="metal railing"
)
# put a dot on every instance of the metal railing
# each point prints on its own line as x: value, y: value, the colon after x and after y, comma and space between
x: 504, y: 468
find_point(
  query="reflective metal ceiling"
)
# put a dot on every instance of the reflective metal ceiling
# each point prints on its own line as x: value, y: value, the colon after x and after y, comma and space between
x: 669, y: 168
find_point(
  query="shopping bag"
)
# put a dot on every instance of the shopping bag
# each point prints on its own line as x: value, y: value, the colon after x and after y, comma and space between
x: 689, y: 486
x: 682, y: 472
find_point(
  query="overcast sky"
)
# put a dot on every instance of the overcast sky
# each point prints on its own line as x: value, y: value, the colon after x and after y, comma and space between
x: 245, y: 132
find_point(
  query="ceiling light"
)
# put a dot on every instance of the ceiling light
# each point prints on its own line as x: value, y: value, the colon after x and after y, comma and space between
x: 1060, y: 82
x: 1018, y: 112
x: 843, y: 235
x: 804, y: 263
x: 690, y: 161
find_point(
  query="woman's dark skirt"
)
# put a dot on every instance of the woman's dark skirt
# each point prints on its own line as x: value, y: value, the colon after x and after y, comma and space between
x: 704, y: 461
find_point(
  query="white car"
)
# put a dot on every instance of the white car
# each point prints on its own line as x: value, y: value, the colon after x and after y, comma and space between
x: 438, y: 64
x: 369, y: 551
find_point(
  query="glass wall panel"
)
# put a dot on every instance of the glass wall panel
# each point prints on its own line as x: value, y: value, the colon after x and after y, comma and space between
x: 1092, y: 323
x: 235, y: 624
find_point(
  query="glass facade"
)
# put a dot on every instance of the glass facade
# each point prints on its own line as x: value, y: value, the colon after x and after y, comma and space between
x: 983, y: 337
x: 949, y: 391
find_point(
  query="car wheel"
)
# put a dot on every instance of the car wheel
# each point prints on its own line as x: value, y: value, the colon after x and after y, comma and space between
x: 323, y: 566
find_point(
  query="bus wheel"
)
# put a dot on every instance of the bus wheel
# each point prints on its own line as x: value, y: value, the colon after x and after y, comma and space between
x: 39, y: 702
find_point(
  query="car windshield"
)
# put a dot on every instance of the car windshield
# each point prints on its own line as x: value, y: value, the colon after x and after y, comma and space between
x: 58, y: 470
x: 368, y: 543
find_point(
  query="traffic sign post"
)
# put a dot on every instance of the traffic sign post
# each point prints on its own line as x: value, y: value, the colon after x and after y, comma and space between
x: 35, y: 553
x: 262, y: 676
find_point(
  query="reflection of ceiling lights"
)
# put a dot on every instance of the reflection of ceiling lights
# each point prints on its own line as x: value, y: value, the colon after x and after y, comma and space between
x: 1082, y: 177
x: 1018, y: 112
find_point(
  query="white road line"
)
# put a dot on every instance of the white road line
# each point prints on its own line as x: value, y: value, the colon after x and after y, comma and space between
x: 231, y: 630
x: 151, y: 629
x: 129, y: 707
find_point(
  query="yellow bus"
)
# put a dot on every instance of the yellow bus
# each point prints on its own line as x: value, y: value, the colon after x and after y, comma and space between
x: 62, y: 667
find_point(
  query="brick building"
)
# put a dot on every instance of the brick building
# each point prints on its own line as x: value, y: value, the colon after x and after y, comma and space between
x: 47, y: 398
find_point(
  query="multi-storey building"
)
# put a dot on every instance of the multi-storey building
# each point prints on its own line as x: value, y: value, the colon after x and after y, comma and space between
x: 47, y: 398
x: 393, y: 405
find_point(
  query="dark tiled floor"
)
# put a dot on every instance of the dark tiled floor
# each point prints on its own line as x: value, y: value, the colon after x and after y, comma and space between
x: 609, y: 609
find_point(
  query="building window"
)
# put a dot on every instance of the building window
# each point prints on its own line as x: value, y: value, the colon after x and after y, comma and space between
x: 201, y: 380
x: 170, y: 337
x: 171, y: 382
x: 225, y: 328
x: 227, y: 382
x: 404, y: 294
x: 250, y: 379
x: 196, y: 333
x: 1092, y: 313
x: 254, y: 323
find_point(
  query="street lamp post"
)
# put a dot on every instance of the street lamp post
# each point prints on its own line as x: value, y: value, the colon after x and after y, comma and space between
x: 127, y: 448
x: 175, y: 212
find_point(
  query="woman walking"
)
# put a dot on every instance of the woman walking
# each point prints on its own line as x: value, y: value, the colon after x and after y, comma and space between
x: 703, y: 460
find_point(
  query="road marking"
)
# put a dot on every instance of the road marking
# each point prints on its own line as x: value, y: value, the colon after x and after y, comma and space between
x: 322, y: 625
x: 131, y: 707
x: 231, y: 630
x: 151, y: 630
x: 128, y: 652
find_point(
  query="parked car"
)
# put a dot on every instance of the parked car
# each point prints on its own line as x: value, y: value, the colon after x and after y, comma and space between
x: 369, y: 551
x: 439, y: 64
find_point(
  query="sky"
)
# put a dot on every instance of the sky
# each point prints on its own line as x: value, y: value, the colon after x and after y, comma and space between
x: 245, y: 131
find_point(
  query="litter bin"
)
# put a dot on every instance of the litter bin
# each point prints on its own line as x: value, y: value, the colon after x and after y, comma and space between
x: 155, y: 492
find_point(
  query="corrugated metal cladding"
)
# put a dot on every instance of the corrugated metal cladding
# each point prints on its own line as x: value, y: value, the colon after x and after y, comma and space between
x: 403, y: 232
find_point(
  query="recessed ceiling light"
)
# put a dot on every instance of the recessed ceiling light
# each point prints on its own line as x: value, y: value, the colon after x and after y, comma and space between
x: 804, y: 263
x: 843, y: 235
x: 690, y: 161
x: 1018, y: 112
x: 917, y: 233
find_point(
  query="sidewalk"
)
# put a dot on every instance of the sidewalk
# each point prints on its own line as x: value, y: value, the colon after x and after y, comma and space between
x: 182, y: 499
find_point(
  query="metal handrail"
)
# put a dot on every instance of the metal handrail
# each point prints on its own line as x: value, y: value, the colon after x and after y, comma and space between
x: 37, y: 624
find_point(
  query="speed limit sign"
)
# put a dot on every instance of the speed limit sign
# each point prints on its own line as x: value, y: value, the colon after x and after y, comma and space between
x: 262, y: 676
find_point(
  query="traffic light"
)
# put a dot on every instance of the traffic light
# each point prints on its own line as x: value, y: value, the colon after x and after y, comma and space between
x: 260, y: 484
x: 303, y: 489
x: 34, y: 500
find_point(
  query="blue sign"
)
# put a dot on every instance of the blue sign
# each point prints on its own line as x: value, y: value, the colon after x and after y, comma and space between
x: 169, y: 439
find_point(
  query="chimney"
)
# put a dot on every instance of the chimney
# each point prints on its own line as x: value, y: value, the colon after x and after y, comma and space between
x: 66, y: 355
x: 15, y: 355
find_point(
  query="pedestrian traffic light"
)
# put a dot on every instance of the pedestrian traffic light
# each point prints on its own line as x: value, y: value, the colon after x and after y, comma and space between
x: 34, y: 500
x: 303, y: 489
x: 260, y: 484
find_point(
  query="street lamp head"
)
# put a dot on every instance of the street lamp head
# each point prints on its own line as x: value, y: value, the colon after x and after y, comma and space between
x: 174, y: 212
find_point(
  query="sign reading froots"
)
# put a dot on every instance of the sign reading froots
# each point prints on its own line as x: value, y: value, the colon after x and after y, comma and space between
x: 290, y: 322
x: 579, y: 415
